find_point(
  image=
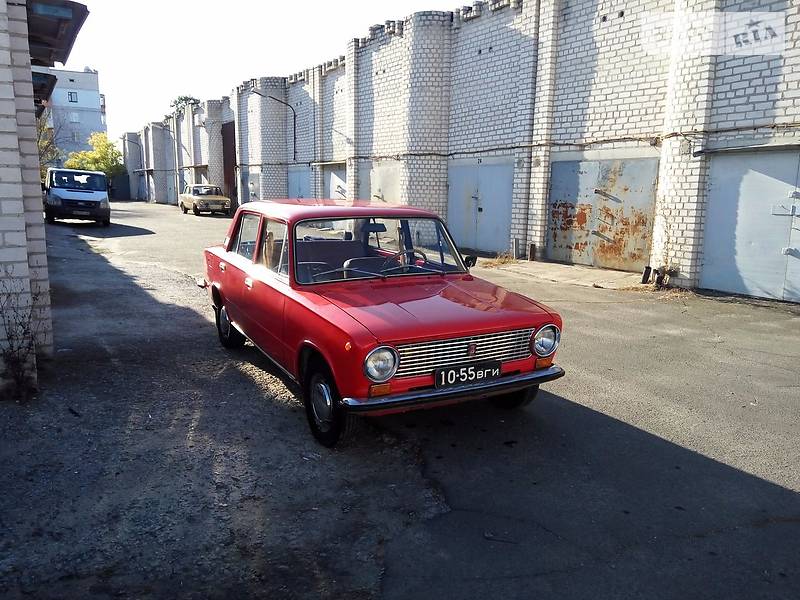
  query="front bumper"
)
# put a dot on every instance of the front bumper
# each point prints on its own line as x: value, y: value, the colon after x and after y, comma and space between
x: 432, y: 396
x: 78, y: 212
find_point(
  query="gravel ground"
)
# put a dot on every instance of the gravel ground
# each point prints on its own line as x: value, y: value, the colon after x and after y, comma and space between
x: 154, y: 463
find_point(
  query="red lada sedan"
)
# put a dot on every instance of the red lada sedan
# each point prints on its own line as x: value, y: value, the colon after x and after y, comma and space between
x: 372, y: 310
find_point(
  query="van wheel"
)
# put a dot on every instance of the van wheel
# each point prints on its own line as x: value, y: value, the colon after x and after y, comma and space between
x: 516, y: 399
x: 330, y: 423
x: 229, y: 336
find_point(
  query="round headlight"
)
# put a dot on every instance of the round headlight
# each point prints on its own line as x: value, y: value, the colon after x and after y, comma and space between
x: 380, y: 364
x: 545, y: 342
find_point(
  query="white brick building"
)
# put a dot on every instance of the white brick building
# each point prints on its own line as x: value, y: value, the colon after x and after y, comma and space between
x: 24, y: 283
x: 553, y: 127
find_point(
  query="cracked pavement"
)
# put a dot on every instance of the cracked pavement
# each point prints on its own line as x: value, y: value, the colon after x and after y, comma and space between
x: 154, y: 463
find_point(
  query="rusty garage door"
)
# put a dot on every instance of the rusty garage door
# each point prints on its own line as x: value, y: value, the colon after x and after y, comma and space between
x: 601, y: 212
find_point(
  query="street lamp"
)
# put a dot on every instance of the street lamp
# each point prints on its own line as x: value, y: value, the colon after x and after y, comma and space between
x: 294, y: 119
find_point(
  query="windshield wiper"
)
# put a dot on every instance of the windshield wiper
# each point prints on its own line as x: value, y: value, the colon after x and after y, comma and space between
x: 439, y: 271
x: 346, y: 269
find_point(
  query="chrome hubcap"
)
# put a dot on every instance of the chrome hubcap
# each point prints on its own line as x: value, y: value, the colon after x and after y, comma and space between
x: 322, y: 403
x: 224, y: 322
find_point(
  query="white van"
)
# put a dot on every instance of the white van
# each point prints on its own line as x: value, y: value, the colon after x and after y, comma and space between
x: 75, y: 194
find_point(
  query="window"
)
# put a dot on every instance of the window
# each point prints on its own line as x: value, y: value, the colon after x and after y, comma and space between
x: 72, y: 96
x: 373, y: 247
x: 76, y: 136
x: 274, y: 249
x: 248, y: 233
x: 74, y: 117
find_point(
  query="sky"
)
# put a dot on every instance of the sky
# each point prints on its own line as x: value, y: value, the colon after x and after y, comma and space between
x: 149, y: 52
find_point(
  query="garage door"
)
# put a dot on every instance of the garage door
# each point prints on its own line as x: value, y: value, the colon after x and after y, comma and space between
x: 752, y: 231
x: 479, y: 203
x: 299, y: 182
x: 601, y: 212
x: 379, y: 181
x: 334, y: 181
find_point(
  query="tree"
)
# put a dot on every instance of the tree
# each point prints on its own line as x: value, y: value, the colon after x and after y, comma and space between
x: 104, y: 156
x: 48, y: 137
x: 182, y: 101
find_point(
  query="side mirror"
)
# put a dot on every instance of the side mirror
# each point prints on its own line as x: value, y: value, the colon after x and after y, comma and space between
x: 470, y: 260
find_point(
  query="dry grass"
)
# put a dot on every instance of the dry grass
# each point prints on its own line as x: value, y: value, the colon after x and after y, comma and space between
x: 665, y: 293
x: 504, y: 258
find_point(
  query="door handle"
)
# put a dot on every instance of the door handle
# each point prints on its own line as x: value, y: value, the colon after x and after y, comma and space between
x: 248, y: 283
x: 222, y: 266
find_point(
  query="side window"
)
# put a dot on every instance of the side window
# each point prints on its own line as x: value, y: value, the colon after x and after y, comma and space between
x: 274, y: 248
x: 246, y: 238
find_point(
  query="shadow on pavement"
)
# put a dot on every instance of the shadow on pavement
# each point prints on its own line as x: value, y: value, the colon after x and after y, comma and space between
x: 96, y: 230
x: 157, y: 464
x: 560, y: 501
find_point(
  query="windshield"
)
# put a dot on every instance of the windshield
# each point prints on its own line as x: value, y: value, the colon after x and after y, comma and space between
x: 206, y: 190
x: 76, y: 180
x: 373, y: 247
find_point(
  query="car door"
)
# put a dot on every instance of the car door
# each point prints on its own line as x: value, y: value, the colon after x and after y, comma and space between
x: 266, y: 290
x: 237, y: 269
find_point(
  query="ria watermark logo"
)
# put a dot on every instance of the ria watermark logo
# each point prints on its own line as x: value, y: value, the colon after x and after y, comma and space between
x: 711, y: 33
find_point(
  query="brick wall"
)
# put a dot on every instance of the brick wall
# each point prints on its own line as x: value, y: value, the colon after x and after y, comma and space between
x: 24, y: 280
x: 532, y: 82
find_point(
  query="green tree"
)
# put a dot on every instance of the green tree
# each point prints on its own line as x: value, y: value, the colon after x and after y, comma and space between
x: 182, y: 101
x: 104, y: 156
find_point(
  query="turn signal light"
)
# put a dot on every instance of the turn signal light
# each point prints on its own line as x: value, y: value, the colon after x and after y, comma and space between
x: 380, y: 389
x: 543, y: 363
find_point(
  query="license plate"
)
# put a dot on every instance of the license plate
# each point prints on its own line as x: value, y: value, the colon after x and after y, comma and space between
x: 81, y: 212
x: 463, y: 374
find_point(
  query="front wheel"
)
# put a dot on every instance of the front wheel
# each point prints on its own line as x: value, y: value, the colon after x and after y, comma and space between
x: 229, y: 336
x: 106, y: 222
x: 49, y: 218
x: 516, y: 399
x: 184, y: 210
x: 330, y: 423
x: 196, y: 211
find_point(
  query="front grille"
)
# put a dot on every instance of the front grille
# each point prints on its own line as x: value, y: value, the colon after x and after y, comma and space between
x: 423, y: 358
x: 79, y: 204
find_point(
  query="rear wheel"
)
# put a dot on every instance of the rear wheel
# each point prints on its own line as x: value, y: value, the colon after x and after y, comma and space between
x: 516, y: 399
x: 229, y: 336
x: 330, y: 423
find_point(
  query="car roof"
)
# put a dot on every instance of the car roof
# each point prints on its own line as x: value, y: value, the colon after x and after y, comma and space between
x: 75, y: 171
x: 292, y: 210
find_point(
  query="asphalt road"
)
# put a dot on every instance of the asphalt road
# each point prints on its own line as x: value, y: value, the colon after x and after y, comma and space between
x: 664, y: 465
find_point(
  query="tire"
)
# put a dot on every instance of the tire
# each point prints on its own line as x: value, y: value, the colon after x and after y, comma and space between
x: 330, y: 423
x: 229, y: 336
x: 106, y: 222
x: 195, y: 211
x: 49, y: 218
x: 183, y: 208
x: 518, y: 399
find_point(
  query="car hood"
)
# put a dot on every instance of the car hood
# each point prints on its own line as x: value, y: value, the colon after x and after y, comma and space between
x: 206, y: 198
x: 413, y: 308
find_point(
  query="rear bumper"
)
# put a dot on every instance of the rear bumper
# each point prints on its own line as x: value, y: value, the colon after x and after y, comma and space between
x: 503, y: 385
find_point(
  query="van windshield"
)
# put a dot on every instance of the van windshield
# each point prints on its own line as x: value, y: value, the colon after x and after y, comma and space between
x: 77, y: 180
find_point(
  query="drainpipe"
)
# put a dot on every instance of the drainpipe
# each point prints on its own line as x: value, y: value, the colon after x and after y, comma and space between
x: 294, y: 119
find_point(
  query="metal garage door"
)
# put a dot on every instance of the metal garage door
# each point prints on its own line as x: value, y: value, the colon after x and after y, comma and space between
x: 299, y: 182
x: 379, y: 181
x: 601, y: 212
x: 334, y: 181
x: 479, y: 203
x: 752, y: 230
